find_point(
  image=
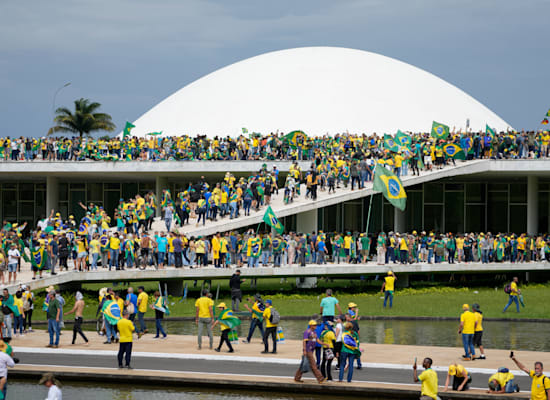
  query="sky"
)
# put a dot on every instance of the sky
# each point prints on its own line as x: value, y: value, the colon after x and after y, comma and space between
x: 129, y: 55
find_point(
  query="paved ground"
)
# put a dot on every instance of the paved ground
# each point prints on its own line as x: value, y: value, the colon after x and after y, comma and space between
x: 383, y: 364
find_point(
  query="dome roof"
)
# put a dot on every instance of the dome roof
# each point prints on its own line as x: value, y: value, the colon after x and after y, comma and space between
x: 317, y: 90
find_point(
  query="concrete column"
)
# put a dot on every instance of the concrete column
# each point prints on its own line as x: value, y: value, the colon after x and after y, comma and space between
x: 175, y: 288
x: 161, y: 183
x: 532, y: 205
x: 306, y: 222
x: 52, y: 195
x: 399, y: 221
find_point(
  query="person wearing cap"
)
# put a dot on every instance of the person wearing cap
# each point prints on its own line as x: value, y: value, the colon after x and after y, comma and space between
x: 225, y: 314
x: 540, y: 385
x: 53, y: 385
x: 308, y: 347
x: 503, y: 382
x: 467, y: 329
x: 513, y: 296
x: 328, y: 339
x: 461, y: 378
x: 388, y: 287
x: 478, y: 334
x: 270, y: 327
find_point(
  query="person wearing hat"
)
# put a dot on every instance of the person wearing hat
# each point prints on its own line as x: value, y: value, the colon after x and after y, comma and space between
x: 53, y: 385
x: 328, y: 339
x: 270, y: 327
x: 467, y: 329
x: 461, y: 378
x: 308, y: 347
x: 388, y: 286
x: 226, y: 319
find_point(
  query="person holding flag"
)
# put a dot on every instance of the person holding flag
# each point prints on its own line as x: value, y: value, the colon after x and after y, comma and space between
x: 391, y: 187
x: 227, y: 322
x: 160, y: 307
x: 111, y: 312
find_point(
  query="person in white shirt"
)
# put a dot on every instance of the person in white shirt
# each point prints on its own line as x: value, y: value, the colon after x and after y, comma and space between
x: 5, y: 362
x: 13, y: 261
x: 338, y: 330
x: 53, y: 385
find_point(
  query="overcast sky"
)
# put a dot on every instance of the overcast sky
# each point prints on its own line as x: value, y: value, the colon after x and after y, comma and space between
x: 130, y: 54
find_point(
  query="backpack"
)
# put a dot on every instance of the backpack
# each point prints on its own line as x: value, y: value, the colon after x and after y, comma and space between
x: 275, y: 317
x: 508, y: 289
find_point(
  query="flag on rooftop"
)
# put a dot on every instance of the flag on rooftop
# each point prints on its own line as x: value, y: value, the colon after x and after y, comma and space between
x: 454, y: 151
x: 391, y: 187
x: 490, y: 130
x: 390, y: 144
x: 271, y: 219
x: 129, y: 126
x: 403, y: 139
x: 295, y: 138
x: 245, y: 131
x: 440, y: 131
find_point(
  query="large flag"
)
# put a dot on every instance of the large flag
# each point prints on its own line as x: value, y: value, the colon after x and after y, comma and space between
x: 129, y: 126
x: 111, y: 312
x: 490, y: 130
x: 391, y: 187
x: 295, y: 138
x: 271, y: 219
x: 390, y: 144
x: 403, y: 139
x: 440, y: 131
x: 227, y: 318
x: 38, y: 257
x: 160, y: 305
x: 155, y: 133
x: 454, y: 151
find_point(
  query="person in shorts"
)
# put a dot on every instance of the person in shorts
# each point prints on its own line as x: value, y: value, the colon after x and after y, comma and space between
x: 13, y: 261
x: 478, y: 334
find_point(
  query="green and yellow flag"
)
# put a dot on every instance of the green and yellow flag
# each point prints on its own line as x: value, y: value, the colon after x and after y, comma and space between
x: 111, y: 311
x: 403, y: 139
x: 439, y: 131
x: 155, y: 133
x: 295, y: 138
x: 548, y: 113
x: 490, y: 130
x: 245, y: 131
x: 390, y: 144
x: 227, y: 318
x: 454, y: 151
x: 129, y: 126
x: 271, y: 219
x: 391, y: 187
x: 161, y: 305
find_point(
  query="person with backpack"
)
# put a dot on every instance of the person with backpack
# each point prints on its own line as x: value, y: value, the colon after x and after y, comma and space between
x: 540, y: 386
x: 272, y: 319
x: 513, y: 294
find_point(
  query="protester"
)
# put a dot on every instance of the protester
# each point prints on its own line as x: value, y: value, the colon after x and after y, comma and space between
x: 478, y: 334
x: 78, y: 310
x: 142, y: 303
x: 540, y: 386
x: 514, y: 294
x: 6, y: 361
x: 461, y: 378
x: 467, y: 329
x: 308, y: 346
x: 225, y: 319
x: 125, y: 328
x: 502, y: 382
x: 328, y: 340
x: 204, y: 317
x: 388, y: 287
x: 328, y: 305
x: 429, y: 380
x: 235, y: 286
x: 350, y: 350
x: 257, y: 316
x: 271, y: 318
x: 53, y: 314
x: 53, y: 385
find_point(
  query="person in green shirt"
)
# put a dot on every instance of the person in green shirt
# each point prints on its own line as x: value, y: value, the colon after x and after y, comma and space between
x: 365, y: 247
x: 451, y: 248
x: 53, y: 315
x: 266, y: 250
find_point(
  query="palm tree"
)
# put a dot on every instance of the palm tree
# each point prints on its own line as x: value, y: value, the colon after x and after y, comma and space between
x: 83, y: 121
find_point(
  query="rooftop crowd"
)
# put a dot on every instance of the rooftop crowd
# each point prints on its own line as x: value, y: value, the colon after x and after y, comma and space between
x: 274, y: 146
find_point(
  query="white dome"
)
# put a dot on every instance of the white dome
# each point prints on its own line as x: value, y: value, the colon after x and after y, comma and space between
x: 316, y: 90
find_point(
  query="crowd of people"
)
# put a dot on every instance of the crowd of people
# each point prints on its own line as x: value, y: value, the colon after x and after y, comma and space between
x: 273, y: 146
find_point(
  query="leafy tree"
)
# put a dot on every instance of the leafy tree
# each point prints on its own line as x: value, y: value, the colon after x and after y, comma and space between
x: 83, y: 121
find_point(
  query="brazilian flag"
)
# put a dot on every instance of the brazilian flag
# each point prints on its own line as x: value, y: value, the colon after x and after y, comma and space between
x: 255, y: 247
x: 403, y: 139
x: 38, y: 257
x: 9, y: 303
x: 245, y: 131
x: 160, y: 304
x: 271, y: 219
x: 439, y: 131
x: 391, y: 187
x: 490, y: 131
x: 390, y: 144
x: 227, y: 318
x: 111, y: 312
x: 295, y: 138
x: 129, y: 126
x: 454, y: 151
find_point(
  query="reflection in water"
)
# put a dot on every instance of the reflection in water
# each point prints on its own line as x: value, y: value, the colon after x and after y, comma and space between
x: 388, y: 336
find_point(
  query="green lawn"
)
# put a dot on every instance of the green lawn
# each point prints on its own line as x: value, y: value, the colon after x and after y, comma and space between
x: 429, y: 301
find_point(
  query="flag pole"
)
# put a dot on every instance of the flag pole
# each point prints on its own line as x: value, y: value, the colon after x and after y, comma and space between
x: 370, y: 202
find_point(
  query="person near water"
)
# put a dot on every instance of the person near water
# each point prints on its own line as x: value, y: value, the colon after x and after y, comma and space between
x: 308, y: 347
x: 78, y: 310
x: 53, y: 315
x: 160, y: 309
x: 53, y: 385
x: 270, y: 327
x: 502, y: 382
x: 350, y: 350
x: 540, y: 385
x: 429, y: 380
x: 513, y: 296
x: 328, y: 339
x: 235, y: 286
x: 204, y: 317
x: 388, y: 288
x: 478, y: 333
x: 461, y: 378
x: 257, y: 311
x: 227, y: 321
x: 142, y: 300
x: 125, y: 328
x: 467, y: 329
x: 328, y: 306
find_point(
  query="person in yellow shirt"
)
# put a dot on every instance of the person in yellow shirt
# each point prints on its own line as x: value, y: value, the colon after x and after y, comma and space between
x: 204, y: 317
x: 347, y: 246
x: 388, y: 287
x: 270, y: 327
x: 513, y: 295
x: 478, y: 334
x: 142, y: 302
x: 522, y: 246
x: 403, y: 248
x: 216, y: 247
x: 502, y: 382
x: 467, y: 329
x: 460, y: 247
x: 428, y: 379
x: 224, y: 315
x: 125, y: 329
x: 461, y: 378
x: 328, y: 339
x: 540, y: 386
x: 114, y: 245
